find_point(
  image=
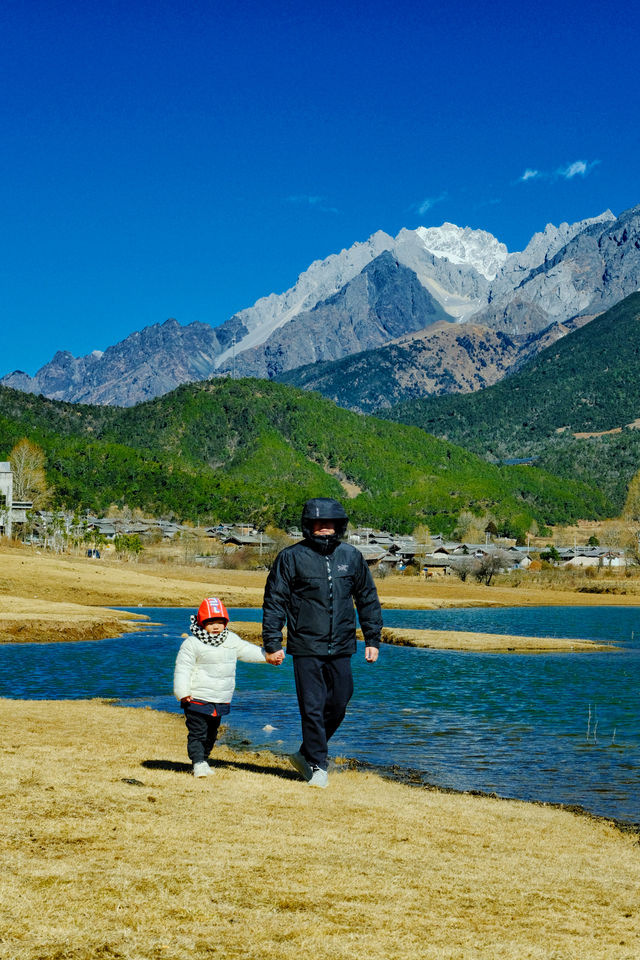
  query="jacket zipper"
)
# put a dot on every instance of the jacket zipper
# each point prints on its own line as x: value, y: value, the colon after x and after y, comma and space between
x: 330, y: 580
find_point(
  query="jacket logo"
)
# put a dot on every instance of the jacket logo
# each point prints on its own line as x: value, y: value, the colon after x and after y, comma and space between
x: 343, y: 567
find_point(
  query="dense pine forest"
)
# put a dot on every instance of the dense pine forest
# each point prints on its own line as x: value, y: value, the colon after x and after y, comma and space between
x: 586, y: 383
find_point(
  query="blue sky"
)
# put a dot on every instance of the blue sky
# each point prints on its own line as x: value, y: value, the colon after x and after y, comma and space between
x: 170, y: 159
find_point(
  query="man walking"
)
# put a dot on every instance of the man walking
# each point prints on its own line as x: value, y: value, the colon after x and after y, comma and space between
x: 312, y: 588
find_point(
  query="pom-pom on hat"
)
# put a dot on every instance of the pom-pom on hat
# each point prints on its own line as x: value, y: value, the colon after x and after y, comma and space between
x: 211, y: 609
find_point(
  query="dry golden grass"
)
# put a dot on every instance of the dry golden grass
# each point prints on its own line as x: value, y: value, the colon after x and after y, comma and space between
x: 30, y: 620
x: 63, y: 578
x: 527, y: 591
x: 47, y: 597
x: 25, y: 572
x: 112, y: 850
x: 486, y: 642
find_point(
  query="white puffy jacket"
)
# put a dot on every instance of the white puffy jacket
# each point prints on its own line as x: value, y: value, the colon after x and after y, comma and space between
x: 208, y: 673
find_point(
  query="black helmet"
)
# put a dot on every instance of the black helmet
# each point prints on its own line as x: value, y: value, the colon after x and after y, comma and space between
x: 323, y: 508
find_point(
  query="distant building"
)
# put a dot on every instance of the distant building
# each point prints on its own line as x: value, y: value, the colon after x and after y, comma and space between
x: 591, y: 557
x: 248, y: 540
x: 6, y: 498
x: 11, y: 511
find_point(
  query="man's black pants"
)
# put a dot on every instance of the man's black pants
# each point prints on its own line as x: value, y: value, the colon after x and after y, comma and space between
x: 324, y: 686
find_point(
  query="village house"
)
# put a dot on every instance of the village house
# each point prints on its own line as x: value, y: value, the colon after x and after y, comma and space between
x: 445, y: 548
x: 219, y: 531
x: 583, y: 557
x: 436, y: 566
x: 360, y: 535
x: 11, y: 511
x: 445, y: 555
x: 247, y: 540
x: 226, y: 532
x: 376, y: 555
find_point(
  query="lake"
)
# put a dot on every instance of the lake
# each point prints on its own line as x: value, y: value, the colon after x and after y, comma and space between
x: 559, y: 728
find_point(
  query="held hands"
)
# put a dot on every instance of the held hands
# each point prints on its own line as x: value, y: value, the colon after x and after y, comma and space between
x: 275, y: 659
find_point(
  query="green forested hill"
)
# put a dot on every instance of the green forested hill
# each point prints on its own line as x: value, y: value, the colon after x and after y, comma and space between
x: 252, y: 449
x: 588, y: 382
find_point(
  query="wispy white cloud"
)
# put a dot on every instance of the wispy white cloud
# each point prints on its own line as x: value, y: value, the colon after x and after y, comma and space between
x: 575, y: 169
x: 313, y: 200
x: 424, y: 205
x: 579, y: 168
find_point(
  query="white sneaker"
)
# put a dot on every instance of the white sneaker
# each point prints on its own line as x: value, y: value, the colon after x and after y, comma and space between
x: 302, y: 765
x: 201, y: 769
x: 319, y: 778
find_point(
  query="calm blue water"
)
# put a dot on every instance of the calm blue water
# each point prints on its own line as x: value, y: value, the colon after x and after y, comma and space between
x: 561, y: 728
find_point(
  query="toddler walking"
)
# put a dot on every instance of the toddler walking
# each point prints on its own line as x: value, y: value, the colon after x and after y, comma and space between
x: 205, y: 677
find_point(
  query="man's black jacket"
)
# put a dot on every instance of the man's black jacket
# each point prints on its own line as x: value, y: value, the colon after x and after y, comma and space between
x: 314, y: 595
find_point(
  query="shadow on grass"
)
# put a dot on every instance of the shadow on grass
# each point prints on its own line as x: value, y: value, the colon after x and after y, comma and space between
x: 178, y: 767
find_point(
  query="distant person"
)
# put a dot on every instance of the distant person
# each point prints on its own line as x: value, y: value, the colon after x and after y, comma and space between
x: 205, y: 677
x: 311, y: 588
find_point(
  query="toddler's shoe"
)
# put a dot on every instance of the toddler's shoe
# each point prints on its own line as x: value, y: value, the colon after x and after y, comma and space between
x: 201, y: 769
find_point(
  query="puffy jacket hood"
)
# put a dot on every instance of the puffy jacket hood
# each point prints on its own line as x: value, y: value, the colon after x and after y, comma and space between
x: 323, y: 508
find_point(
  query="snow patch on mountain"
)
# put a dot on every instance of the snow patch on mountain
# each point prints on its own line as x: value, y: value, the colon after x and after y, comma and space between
x: 462, y: 245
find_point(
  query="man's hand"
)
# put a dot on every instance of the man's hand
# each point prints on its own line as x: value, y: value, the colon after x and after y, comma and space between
x: 371, y: 654
x: 275, y: 659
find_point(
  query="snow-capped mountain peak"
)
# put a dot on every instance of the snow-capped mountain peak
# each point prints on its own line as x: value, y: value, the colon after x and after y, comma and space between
x: 462, y: 245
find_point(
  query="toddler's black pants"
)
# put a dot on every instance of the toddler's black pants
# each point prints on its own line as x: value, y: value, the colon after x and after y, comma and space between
x: 201, y: 736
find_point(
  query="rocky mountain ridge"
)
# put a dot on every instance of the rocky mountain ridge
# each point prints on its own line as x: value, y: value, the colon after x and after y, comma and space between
x: 463, y: 269
x: 335, y: 310
x: 596, y: 268
x: 146, y: 364
x: 383, y: 301
x: 443, y: 359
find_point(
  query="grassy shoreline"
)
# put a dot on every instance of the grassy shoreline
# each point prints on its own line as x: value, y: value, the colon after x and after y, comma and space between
x: 120, y: 854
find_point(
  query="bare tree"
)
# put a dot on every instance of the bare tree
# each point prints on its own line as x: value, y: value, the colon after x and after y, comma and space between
x: 29, y: 480
x: 490, y: 564
x: 465, y: 566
